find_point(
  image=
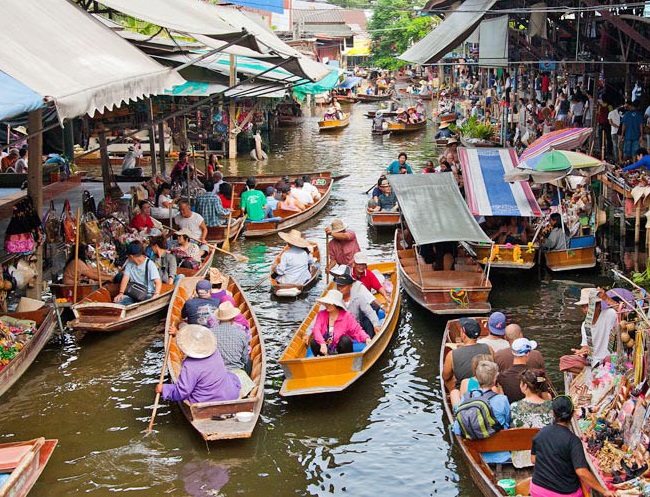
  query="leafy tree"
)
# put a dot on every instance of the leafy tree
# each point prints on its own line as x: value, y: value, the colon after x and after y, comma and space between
x: 395, y: 25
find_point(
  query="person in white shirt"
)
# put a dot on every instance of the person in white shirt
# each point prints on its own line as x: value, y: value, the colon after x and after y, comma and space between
x: 313, y: 191
x: 21, y: 163
x: 614, y: 119
x: 299, y: 192
x: 295, y: 262
x: 193, y: 223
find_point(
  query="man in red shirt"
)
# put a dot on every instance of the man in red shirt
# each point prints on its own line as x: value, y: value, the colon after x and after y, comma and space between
x: 361, y: 273
x: 343, y: 245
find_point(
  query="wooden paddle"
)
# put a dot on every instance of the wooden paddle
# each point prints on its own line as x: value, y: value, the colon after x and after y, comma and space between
x: 76, y: 256
x: 241, y: 226
x: 239, y: 257
x: 366, y: 192
x: 327, y: 258
x: 226, y: 242
x: 262, y: 280
x: 160, y: 382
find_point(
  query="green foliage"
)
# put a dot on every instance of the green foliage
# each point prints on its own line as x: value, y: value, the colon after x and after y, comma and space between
x: 394, y: 27
x: 475, y: 129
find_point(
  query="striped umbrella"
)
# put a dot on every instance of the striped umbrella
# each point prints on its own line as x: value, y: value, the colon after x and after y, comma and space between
x: 562, y: 139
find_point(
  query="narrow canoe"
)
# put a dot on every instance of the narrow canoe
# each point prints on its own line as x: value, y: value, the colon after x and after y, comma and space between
x: 217, y: 234
x: 334, y: 124
x: 571, y: 259
x: 62, y: 291
x: 447, y: 117
x: 214, y: 420
x: 503, y: 256
x: 334, y: 373
x: 285, y: 220
x: 371, y: 114
x: 97, y: 312
x: 485, y: 477
x: 401, y: 128
x: 362, y: 98
x: 25, y: 461
x: 239, y: 182
x: 45, y: 319
x: 382, y: 219
x: 292, y: 289
x: 464, y: 290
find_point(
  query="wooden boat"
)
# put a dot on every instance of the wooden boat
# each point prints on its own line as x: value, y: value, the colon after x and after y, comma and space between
x: 363, y: 98
x: 292, y: 289
x: 371, y: 114
x: 484, y: 476
x: 402, y: 128
x: 346, y: 99
x: 286, y: 117
x: 426, y: 96
x: 97, y: 312
x: 464, y: 290
x: 24, y: 462
x: 503, y: 255
x: 217, y: 234
x: 447, y: 117
x: 45, y: 319
x: 214, y: 420
x: 62, y: 291
x: 382, y: 219
x: 16, y: 180
x: 285, y: 219
x: 467, y: 142
x: 334, y: 373
x: 334, y: 124
x: 581, y: 254
x: 272, y: 179
x: 380, y: 132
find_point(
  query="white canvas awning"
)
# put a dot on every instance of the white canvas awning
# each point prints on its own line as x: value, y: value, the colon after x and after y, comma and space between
x: 493, y: 42
x: 59, y: 51
x: 215, y: 24
x: 455, y: 29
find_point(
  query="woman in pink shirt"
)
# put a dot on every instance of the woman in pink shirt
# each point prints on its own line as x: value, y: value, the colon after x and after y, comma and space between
x: 335, y: 328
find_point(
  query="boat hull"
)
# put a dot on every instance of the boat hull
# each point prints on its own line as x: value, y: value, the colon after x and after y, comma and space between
x: 527, y: 259
x: 382, y: 219
x: 571, y: 259
x: 29, y: 467
x: 402, y: 128
x: 334, y: 373
x: 283, y: 290
x: 334, y: 124
x: 46, y: 321
x: 214, y: 420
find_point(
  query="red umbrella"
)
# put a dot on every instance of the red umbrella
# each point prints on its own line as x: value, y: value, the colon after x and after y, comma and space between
x: 562, y: 139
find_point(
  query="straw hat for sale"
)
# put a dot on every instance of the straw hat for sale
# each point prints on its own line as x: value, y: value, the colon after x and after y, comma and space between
x: 196, y: 341
x: 227, y: 311
x: 294, y: 237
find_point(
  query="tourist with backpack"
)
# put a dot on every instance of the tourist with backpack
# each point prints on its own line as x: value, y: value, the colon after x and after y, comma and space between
x: 482, y: 413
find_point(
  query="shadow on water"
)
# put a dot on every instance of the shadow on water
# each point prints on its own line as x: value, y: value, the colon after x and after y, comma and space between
x: 385, y: 432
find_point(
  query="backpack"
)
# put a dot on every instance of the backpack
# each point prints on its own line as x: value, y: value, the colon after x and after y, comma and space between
x: 475, y: 416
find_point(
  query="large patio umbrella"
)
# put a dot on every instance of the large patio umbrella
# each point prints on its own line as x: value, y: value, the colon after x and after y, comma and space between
x: 562, y: 139
x: 559, y: 160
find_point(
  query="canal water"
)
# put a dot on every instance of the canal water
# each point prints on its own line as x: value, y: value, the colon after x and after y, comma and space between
x: 387, y: 433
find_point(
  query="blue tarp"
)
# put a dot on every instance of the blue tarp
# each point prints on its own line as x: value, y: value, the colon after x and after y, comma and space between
x: 267, y: 5
x: 349, y: 82
x: 16, y: 98
x: 325, y: 84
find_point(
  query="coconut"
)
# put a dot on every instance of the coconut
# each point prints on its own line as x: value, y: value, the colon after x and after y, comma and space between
x: 630, y: 343
x: 625, y: 337
x: 631, y: 326
x: 623, y: 325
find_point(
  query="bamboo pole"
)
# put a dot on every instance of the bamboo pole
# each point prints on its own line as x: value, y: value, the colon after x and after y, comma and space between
x: 76, y: 256
x: 99, y: 267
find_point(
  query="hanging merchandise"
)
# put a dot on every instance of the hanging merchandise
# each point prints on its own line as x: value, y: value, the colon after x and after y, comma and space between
x: 68, y: 223
x: 88, y: 203
x: 91, y: 231
x: 51, y: 224
x: 107, y: 206
x: 25, y: 228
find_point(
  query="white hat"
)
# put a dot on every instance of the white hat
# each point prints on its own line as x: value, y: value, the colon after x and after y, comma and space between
x: 196, y: 341
x: 522, y: 346
x: 333, y: 297
x: 585, y: 293
x: 227, y: 311
x: 294, y: 237
x: 360, y: 258
x: 185, y: 233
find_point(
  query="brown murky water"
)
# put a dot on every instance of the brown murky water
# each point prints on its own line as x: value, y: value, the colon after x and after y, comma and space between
x: 386, y: 434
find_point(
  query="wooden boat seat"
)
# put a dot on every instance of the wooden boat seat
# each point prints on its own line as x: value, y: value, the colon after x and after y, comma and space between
x: 447, y: 279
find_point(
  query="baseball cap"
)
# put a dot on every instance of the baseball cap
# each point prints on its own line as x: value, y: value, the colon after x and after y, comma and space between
x: 203, y: 286
x: 345, y: 278
x: 134, y: 249
x: 471, y: 327
x: 360, y: 258
x: 497, y: 323
x: 522, y: 346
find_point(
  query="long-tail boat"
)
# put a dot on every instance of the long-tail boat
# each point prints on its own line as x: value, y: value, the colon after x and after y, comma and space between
x: 396, y: 128
x: 21, y: 463
x: 98, y: 312
x: 294, y: 289
x: 334, y: 373
x: 581, y: 254
x: 334, y: 124
x: 216, y: 420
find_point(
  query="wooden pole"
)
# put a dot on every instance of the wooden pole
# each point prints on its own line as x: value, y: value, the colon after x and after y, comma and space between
x: 99, y: 266
x: 106, y: 165
x: 160, y: 382
x: 327, y: 258
x: 76, y: 256
x: 152, y: 138
x: 161, y: 146
x: 226, y: 241
x: 232, y: 122
x: 35, y: 190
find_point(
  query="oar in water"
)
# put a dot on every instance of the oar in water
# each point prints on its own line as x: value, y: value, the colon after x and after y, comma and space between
x: 226, y: 242
x: 241, y: 226
x: 327, y: 257
x: 239, y: 257
x: 262, y: 280
x: 160, y: 382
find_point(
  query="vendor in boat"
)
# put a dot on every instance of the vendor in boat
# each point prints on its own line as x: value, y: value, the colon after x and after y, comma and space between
x: 212, y: 166
x: 343, y: 246
x: 138, y: 269
x: 203, y: 376
x: 420, y: 108
x: 188, y: 254
x: 443, y: 131
x: 181, y: 168
x: 295, y: 261
x: 335, y: 328
x: 387, y: 200
x: 394, y: 166
x: 85, y: 273
x: 129, y: 163
x: 604, y: 322
x: 142, y: 221
x: 330, y: 114
x: 561, y: 467
x: 337, y: 108
x: 357, y: 300
x: 557, y: 238
x: 452, y: 148
x: 165, y: 261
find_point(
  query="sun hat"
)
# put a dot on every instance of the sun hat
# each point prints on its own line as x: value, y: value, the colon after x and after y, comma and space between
x: 216, y: 278
x: 360, y: 258
x: 185, y: 233
x: 497, y: 323
x: 333, y: 297
x: 227, y: 311
x: 584, y: 296
x: 134, y: 249
x: 443, y: 125
x: 471, y: 327
x: 203, y: 286
x: 345, y: 278
x: 196, y: 341
x: 294, y: 237
x: 451, y: 141
x: 521, y: 346
x: 339, y: 269
x: 337, y: 226
x: 400, y: 110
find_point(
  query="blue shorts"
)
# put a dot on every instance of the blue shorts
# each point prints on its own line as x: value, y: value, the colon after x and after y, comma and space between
x: 630, y: 147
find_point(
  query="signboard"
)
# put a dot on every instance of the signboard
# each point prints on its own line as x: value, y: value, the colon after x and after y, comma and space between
x: 546, y: 65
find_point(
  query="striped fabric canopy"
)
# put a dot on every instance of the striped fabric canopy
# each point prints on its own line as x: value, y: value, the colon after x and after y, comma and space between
x: 486, y: 192
x: 562, y: 139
